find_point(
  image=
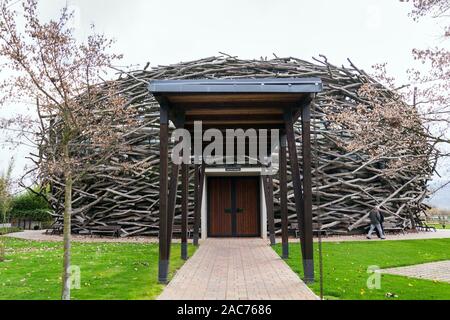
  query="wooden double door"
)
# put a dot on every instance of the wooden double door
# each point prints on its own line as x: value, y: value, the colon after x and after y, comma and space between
x: 233, y: 207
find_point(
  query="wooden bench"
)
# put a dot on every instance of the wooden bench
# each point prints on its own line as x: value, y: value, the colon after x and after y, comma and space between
x: 85, y: 232
x: 56, y: 229
x: 293, y: 227
x: 393, y: 230
x: 113, y: 231
x: 387, y: 228
x: 423, y: 226
x: 177, y: 230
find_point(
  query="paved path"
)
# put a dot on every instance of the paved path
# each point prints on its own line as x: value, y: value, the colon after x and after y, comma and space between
x: 236, y: 269
x: 39, y: 235
x: 438, y: 271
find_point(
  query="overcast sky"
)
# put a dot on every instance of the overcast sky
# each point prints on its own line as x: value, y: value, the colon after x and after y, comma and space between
x: 169, y: 31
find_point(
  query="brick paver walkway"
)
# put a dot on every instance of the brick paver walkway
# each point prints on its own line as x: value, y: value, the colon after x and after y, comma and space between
x: 439, y: 271
x: 236, y: 269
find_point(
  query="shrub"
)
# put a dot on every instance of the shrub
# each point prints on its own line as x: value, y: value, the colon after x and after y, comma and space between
x: 4, y: 231
x: 35, y: 215
x: 29, y: 205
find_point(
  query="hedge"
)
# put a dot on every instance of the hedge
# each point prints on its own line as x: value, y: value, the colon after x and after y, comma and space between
x: 28, y: 205
x: 35, y: 215
x: 4, y: 231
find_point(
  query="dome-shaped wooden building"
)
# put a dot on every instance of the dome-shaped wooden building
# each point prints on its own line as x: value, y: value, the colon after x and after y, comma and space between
x: 346, y: 182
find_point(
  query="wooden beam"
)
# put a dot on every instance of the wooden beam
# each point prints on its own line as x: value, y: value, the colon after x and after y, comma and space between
x: 241, y: 110
x: 163, y: 264
x: 184, y: 210
x: 223, y: 127
x: 283, y: 198
x: 308, y: 257
x: 197, y: 206
x: 239, y: 118
x: 234, y: 98
x: 172, y: 203
x: 305, y: 102
x: 305, y: 223
x: 233, y: 123
x: 200, y: 192
x: 268, y: 194
x: 295, y: 172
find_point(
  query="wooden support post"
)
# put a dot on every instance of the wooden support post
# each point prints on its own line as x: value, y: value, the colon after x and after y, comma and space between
x: 268, y: 194
x: 200, y: 192
x: 197, y: 205
x: 295, y: 173
x: 184, y: 191
x: 308, y: 258
x: 171, y: 199
x: 163, y: 265
x: 172, y: 202
x: 184, y: 209
x: 283, y: 198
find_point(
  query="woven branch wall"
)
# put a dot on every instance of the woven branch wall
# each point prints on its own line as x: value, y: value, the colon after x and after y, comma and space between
x: 346, y: 184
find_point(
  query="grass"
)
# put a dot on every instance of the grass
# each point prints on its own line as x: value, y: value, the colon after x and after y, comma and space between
x: 345, y: 267
x: 4, y: 230
x: 32, y: 270
x: 439, y: 225
x: 124, y: 271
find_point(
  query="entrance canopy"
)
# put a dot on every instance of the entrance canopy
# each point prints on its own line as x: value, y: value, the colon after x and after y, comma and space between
x: 236, y: 104
x: 241, y: 103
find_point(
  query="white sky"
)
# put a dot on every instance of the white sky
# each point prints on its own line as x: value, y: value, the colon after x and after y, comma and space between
x: 169, y: 31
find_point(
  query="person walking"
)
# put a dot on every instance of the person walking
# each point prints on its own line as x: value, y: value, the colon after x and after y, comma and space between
x: 381, y: 224
x: 375, y: 223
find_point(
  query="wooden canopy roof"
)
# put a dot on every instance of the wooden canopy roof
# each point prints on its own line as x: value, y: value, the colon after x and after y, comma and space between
x: 241, y: 103
x: 236, y: 104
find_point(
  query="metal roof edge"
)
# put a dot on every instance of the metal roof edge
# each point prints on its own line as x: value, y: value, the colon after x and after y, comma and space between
x: 262, y: 85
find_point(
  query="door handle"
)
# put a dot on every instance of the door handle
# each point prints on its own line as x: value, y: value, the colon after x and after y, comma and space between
x: 239, y: 210
x: 228, y: 210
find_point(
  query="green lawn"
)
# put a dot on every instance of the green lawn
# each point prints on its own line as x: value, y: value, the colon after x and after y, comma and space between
x: 108, y: 270
x: 439, y: 225
x: 345, y: 268
x: 129, y: 271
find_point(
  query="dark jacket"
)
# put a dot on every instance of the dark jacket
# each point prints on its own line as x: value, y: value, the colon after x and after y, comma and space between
x: 375, y: 216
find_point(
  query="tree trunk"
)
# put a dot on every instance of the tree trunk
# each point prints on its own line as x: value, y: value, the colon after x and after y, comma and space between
x: 67, y: 228
x: 2, y: 251
x: 2, y: 245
